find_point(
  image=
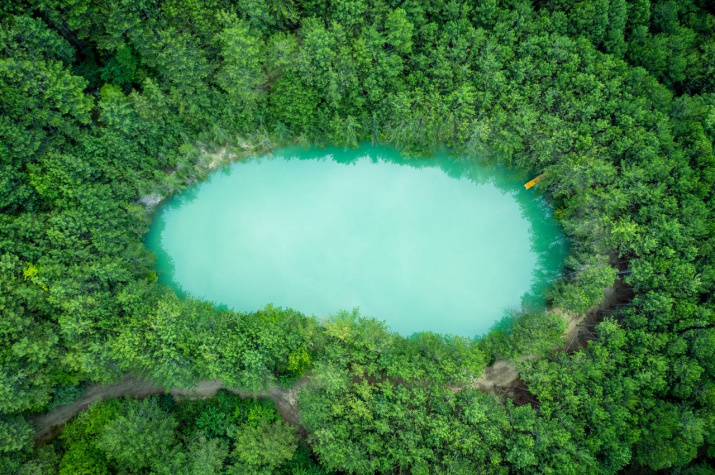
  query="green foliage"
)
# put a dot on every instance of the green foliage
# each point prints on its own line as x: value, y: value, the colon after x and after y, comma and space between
x: 44, y: 461
x: 262, y: 446
x: 15, y: 432
x: 527, y: 335
x: 295, y: 104
x: 586, y: 288
x: 224, y: 434
x: 83, y: 458
x: 241, y: 71
x: 122, y: 68
x: 39, y: 93
x: 201, y: 456
x: 399, y: 31
x: 101, y: 104
x: 140, y: 434
x: 64, y: 395
x: 368, y: 428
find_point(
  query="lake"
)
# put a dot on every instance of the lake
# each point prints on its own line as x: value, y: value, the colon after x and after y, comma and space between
x: 431, y: 244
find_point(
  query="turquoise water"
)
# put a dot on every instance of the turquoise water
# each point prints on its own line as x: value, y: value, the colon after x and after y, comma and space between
x: 424, y: 244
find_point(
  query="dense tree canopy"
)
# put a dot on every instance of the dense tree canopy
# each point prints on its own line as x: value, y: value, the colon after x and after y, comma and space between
x: 107, y: 105
x: 156, y: 435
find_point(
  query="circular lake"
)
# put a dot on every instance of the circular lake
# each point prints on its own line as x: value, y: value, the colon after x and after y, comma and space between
x: 429, y: 244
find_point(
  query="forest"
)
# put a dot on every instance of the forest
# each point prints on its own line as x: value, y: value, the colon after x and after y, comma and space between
x: 108, y: 106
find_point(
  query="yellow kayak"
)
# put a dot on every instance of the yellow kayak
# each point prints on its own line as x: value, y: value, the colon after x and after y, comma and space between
x: 533, y: 182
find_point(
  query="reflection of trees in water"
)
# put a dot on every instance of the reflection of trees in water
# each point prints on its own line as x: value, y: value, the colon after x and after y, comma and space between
x: 165, y: 266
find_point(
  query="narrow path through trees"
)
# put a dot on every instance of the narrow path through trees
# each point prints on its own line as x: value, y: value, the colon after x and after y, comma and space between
x: 501, y: 378
x: 286, y: 400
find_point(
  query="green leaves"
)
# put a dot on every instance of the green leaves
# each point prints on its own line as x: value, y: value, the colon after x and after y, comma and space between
x: 586, y: 287
x: 526, y: 335
x: 399, y: 31
x: 39, y: 94
x: 15, y: 433
x: 139, y: 436
x: 263, y: 447
x: 613, y: 99
x: 241, y: 70
x: 224, y: 434
x: 675, y: 434
x: 295, y: 104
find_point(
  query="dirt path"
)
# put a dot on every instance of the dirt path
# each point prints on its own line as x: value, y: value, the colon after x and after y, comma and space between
x: 286, y: 400
x: 501, y: 378
x: 127, y: 387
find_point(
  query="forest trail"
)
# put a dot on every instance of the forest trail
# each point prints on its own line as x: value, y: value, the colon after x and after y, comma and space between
x: 501, y: 378
x: 581, y: 328
x: 285, y: 399
x: 128, y: 386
